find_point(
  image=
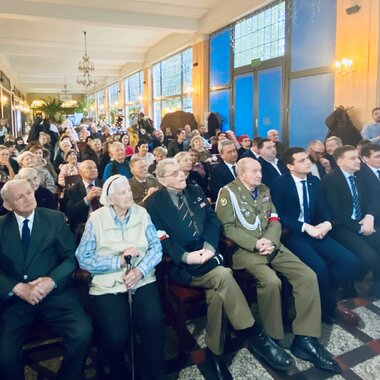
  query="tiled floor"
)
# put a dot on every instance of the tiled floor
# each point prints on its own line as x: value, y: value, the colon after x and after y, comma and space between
x: 357, y: 350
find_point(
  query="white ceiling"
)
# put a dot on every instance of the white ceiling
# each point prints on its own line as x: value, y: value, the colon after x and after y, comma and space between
x: 41, y: 41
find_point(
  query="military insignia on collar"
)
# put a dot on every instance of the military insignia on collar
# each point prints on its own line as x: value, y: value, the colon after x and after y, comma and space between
x: 265, y: 199
x: 223, y: 202
x: 199, y: 199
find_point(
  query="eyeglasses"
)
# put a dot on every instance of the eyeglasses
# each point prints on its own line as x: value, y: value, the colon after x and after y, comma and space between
x: 174, y: 174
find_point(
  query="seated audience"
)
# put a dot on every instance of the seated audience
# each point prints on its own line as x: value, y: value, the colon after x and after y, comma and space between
x: 70, y: 168
x: 271, y: 166
x: 59, y: 158
x: 40, y: 290
x: 157, y: 140
x: 320, y: 165
x: 142, y: 151
x: 20, y: 144
x: 203, y: 154
x: 28, y: 160
x: 6, y: 169
x: 272, y: 135
x: 142, y: 183
x: 93, y: 151
x: 306, y: 221
x: 224, y: 172
x: 83, y: 198
x: 159, y: 154
x: 129, y: 150
x: 249, y: 218
x: 168, y: 136
x: 245, y: 144
x: 371, y: 131
x: 114, y: 234
x: 193, y: 233
x: 352, y: 214
x: 253, y: 152
x: 119, y: 163
x: 44, y: 197
x: 42, y: 160
x: 177, y: 145
x: 331, y: 144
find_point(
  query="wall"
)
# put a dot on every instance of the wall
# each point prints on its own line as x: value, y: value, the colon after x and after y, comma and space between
x: 358, y: 38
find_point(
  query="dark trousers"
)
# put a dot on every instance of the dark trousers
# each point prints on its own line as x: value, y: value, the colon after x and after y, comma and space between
x: 365, y: 248
x: 112, y: 318
x: 63, y: 314
x: 332, y: 263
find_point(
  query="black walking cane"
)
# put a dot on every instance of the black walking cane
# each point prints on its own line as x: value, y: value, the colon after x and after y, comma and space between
x: 129, y: 267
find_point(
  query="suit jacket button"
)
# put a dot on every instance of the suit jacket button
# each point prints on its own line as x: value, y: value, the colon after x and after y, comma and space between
x: 25, y: 277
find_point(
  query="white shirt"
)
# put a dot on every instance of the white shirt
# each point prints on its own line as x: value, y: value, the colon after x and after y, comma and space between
x: 230, y: 167
x: 20, y: 222
x: 314, y: 170
x: 274, y: 164
x: 375, y: 171
x: 299, y: 186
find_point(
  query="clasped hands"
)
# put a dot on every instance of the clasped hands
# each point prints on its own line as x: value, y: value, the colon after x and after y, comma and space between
x: 367, y: 225
x: 133, y: 276
x: 264, y: 246
x: 35, y: 291
x: 319, y: 231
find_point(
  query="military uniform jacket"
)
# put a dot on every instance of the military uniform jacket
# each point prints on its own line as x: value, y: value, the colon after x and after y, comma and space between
x: 259, y: 211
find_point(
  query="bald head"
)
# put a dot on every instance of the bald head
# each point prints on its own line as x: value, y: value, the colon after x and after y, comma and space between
x: 249, y: 172
x: 88, y: 170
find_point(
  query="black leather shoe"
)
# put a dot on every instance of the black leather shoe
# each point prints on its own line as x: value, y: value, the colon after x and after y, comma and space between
x: 220, y: 369
x: 308, y: 348
x: 266, y: 348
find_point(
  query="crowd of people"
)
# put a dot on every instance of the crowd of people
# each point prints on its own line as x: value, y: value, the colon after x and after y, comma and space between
x: 87, y: 196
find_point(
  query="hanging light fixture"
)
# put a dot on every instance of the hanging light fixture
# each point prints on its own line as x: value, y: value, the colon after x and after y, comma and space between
x: 86, y: 67
x: 65, y: 94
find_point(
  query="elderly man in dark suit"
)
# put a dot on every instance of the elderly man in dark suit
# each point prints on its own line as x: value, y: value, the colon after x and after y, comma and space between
x: 352, y: 215
x: 225, y: 171
x: 83, y: 198
x: 37, y: 261
x: 306, y: 221
x: 193, y: 232
x: 271, y: 166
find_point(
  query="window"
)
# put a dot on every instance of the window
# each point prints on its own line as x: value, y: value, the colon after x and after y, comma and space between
x: 133, y: 96
x: 260, y: 36
x: 100, y: 97
x: 113, y: 95
x: 172, y: 84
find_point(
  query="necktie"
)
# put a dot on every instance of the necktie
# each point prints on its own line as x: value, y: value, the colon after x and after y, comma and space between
x: 25, y: 236
x: 378, y: 174
x: 185, y: 215
x: 254, y: 194
x: 234, y: 170
x: 305, y: 203
x: 355, y: 198
x: 95, y: 204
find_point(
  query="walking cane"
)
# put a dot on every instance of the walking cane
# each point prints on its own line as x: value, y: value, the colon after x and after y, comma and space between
x: 129, y: 267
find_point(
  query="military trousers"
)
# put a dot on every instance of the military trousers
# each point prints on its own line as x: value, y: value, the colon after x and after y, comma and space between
x: 224, y: 299
x: 304, y: 287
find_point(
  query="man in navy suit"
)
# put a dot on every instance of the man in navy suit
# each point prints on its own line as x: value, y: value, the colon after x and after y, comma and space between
x: 37, y: 261
x: 224, y: 172
x: 370, y: 174
x: 253, y: 152
x: 304, y: 216
x: 271, y: 166
x: 352, y: 213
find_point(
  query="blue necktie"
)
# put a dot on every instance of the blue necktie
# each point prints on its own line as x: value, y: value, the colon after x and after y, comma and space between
x: 234, y: 170
x: 355, y: 198
x: 254, y: 194
x: 25, y: 236
x: 378, y: 174
x: 305, y: 204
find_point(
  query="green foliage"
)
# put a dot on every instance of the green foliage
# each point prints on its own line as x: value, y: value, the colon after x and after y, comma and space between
x: 53, y: 109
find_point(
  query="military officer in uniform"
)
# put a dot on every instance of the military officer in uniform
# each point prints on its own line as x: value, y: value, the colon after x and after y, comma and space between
x: 249, y: 217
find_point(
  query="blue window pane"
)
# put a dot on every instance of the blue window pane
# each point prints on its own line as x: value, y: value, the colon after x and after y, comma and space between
x: 313, y: 34
x: 220, y: 59
x: 220, y: 103
x: 311, y: 101
x: 269, y: 100
x: 156, y: 74
x: 243, y: 91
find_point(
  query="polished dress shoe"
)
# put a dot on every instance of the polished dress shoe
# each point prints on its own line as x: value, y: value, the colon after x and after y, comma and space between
x: 220, y: 369
x: 308, y: 348
x: 266, y: 348
x: 348, y: 316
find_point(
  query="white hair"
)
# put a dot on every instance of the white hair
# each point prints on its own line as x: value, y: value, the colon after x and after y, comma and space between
x: 6, y: 188
x: 109, y: 188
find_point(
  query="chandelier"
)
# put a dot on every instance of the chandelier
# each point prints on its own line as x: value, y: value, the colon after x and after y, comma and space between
x: 65, y: 94
x: 86, y: 67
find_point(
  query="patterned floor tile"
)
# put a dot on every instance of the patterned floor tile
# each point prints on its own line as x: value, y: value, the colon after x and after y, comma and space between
x: 369, y: 370
x: 190, y: 373
x: 371, y: 321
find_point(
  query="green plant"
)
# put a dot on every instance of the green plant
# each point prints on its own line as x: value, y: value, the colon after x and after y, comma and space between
x: 84, y: 105
x: 52, y: 108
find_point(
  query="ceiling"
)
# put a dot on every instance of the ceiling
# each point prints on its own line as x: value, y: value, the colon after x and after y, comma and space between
x: 41, y: 41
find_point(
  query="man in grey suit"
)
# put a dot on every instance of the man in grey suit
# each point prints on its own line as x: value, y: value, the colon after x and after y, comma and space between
x: 36, y: 264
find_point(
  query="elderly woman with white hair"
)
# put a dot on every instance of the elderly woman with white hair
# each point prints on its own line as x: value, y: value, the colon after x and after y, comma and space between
x: 119, y: 164
x: 28, y: 160
x: 119, y: 232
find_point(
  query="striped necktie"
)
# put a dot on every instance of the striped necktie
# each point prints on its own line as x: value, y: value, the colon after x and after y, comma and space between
x: 355, y: 198
x: 185, y: 215
x: 378, y: 174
